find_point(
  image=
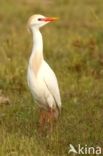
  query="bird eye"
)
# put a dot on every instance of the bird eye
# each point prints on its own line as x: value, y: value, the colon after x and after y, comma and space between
x: 39, y: 19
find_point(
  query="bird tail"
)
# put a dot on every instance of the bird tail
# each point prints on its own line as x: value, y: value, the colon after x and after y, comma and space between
x: 57, y: 112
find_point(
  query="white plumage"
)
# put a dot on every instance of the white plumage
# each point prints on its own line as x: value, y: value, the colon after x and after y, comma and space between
x: 41, y: 78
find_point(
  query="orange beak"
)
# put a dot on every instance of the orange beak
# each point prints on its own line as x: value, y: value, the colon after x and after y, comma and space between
x: 50, y: 19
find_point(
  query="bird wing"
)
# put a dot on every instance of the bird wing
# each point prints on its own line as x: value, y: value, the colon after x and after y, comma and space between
x: 52, y: 84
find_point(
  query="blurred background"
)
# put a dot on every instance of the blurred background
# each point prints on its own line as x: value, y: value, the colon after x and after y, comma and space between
x: 73, y: 47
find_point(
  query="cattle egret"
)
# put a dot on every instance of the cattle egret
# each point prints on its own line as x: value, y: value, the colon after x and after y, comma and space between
x: 41, y: 78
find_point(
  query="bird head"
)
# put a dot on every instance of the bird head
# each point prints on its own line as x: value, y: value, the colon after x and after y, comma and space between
x: 37, y: 21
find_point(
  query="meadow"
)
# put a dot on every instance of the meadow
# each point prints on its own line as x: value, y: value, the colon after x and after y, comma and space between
x: 73, y: 47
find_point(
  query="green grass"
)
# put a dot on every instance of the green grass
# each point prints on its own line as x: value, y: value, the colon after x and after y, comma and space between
x: 73, y: 47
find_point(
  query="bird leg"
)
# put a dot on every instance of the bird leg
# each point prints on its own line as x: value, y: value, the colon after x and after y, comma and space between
x: 47, y: 119
x: 42, y: 119
x: 51, y: 118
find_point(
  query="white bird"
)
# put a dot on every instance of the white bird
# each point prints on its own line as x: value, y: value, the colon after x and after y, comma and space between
x: 41, y: 78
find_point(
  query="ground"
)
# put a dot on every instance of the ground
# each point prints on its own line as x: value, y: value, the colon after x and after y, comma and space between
x: 73, y: 46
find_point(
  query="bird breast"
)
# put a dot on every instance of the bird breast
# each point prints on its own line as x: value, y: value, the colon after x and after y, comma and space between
x: 35, y: 62
x: 38, y: 87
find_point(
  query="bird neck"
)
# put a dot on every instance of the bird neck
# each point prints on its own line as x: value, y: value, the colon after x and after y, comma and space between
x: 37, y: 50
x: 37, y: 42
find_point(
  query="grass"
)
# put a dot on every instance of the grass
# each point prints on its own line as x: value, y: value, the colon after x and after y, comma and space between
x: 73, y: 47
